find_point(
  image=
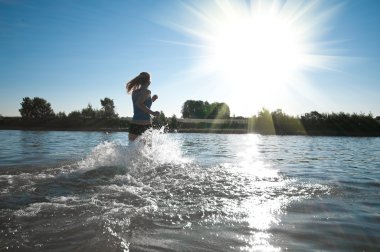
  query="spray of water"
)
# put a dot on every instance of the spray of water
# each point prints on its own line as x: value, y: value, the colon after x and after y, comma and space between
x: 151, y: 150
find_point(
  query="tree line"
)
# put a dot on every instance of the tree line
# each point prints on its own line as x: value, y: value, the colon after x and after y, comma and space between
x: 279, y: 123
x: 38, y: 113
x: 38, y: 108
x: 315, y: 123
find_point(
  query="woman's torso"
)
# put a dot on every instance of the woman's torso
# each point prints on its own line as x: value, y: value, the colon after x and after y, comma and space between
x: 139, y: 116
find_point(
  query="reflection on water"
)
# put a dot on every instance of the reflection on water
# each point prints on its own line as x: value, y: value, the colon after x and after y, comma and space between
x: 193, y: 192
x: 263, y: 209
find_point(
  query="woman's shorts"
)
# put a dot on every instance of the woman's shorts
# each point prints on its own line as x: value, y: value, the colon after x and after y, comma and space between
x: 137, y: 129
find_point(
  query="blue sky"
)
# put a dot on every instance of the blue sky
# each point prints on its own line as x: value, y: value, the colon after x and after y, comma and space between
x: 73, y: 53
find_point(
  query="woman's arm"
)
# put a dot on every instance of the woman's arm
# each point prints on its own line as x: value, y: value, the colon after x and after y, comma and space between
x: 140, y: 103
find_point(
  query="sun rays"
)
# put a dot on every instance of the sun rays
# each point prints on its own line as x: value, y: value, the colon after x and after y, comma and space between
x: 262, y: 49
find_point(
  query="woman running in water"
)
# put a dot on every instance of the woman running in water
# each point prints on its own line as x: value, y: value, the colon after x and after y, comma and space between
x: 142, y: 101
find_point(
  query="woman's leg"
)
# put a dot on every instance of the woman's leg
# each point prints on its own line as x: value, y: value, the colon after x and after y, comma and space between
x: 132, y: 137
x: 137, y: 130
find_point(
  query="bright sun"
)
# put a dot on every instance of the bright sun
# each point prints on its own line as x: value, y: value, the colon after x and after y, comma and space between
x: 262, y: 47
x: 256, y: 50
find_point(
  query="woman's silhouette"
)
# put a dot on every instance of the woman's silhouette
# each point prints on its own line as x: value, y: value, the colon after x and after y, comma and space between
x: 142, y: 101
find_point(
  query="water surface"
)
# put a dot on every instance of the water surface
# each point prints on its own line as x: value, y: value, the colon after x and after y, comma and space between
x: 92, y: 191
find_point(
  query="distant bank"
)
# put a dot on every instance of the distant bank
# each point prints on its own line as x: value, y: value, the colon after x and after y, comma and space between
x: 197, y: 116
x: 269, y: 124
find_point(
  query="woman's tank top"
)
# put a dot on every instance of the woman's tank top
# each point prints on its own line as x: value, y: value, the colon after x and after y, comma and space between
x: 138, y: 114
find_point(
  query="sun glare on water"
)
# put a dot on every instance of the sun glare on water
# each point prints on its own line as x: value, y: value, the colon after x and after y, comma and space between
x: 262, y: 47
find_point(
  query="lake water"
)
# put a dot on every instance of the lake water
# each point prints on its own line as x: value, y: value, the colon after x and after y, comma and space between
x: 92, y: 191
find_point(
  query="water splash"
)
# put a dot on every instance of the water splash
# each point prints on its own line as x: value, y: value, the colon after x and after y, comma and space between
x: 149, y: 151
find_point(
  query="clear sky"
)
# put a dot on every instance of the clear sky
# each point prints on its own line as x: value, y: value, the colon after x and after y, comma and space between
x: 298, y: 56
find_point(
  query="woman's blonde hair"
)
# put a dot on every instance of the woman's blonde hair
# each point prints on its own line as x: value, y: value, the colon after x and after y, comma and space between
x: 136, y: 82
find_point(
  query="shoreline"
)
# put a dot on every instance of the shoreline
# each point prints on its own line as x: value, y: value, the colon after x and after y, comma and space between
x: 66, y: 129
x: 187, y: 130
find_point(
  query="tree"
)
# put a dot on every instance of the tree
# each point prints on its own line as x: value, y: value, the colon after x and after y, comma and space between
x: 26, y: 107
x: 160, y: 120
x: 108, y: 108
x: 285, y: 124
x: 36, y: 108
x: 204, y: 110
x: 75, y: 115
x: 194, y: 109
x: 218, y: 111
x: 61, y: 115
x: 185, y: 110
x: 88, y: 112
x: 314, y: 116
x: 264, y: 122
x: 173, y: 123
